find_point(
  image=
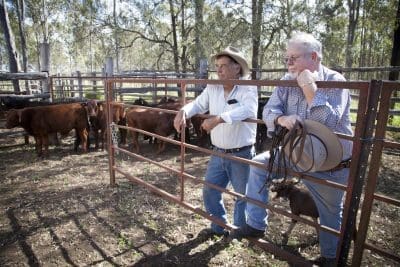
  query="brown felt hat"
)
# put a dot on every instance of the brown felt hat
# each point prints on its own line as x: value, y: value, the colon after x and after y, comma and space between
x: 322, y: 149
x: 237, y: 56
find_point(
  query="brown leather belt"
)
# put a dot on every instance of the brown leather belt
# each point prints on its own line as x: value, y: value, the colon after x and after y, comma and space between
x: 342, y: 165
x: 232, y: 150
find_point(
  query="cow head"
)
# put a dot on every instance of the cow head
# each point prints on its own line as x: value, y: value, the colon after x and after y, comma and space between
x: 283, y: 188
x: 141, y: 102
x: 92, y: 108
x: 13, y: 118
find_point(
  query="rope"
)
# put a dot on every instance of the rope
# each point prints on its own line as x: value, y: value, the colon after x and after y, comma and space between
x: 277, y: 139
x: 282, y: 138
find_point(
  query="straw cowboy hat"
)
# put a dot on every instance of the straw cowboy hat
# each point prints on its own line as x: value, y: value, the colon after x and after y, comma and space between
x: 313, y: 147
x: 237, y: 56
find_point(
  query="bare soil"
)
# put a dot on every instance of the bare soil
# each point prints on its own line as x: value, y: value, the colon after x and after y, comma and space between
x: 62, y: 211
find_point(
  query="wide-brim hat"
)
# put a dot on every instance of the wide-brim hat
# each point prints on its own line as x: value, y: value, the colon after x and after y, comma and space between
x: 237, y: 56
x: 321, y: 151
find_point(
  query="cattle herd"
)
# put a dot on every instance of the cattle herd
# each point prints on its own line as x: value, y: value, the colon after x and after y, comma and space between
x: 89, y: 120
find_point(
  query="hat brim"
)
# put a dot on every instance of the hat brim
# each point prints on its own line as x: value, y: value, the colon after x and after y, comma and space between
x: 329, y: 139
x: 240, y: 60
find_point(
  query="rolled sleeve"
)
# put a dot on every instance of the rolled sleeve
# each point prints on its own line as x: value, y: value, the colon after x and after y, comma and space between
x: 245, y: 108
x: 226, y: 117
x: 199, y: 106
x: 274, y: 108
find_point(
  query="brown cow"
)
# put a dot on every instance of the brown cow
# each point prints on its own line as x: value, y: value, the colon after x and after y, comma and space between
x: 42, y: 121
x: 203, y: 137
x: 98, y: 120
x: 153, y: 121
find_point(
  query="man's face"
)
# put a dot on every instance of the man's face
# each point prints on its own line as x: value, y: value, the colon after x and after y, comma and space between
x: 298, y: 60
x: 226, y: 68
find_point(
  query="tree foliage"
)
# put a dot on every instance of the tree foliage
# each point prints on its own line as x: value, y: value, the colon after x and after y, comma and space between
x: 176, y: 34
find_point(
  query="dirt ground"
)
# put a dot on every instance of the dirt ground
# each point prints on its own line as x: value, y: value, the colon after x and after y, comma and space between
x: 62, y: 211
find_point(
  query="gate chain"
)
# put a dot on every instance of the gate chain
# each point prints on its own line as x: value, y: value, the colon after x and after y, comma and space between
x: 114, y: 135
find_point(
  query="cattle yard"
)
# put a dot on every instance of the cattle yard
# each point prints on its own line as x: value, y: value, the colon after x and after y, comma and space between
x: 73, y: 216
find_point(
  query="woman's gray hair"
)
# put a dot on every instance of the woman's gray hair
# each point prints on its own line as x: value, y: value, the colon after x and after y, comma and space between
x: 308, y: 42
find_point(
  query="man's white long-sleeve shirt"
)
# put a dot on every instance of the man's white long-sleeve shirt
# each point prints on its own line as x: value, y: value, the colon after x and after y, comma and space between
x: 233, y: 133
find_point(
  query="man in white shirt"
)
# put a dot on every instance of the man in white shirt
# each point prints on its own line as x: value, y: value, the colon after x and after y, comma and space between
x: 229, y: 105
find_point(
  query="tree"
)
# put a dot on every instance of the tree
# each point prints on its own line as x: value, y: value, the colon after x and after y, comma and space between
x: 21, y: 25
x: 354, y: 11
x: 198, y: 29
x: 9, y: 37
x: 395, y: 59
x: 174, y: 34
x: 257, y: 16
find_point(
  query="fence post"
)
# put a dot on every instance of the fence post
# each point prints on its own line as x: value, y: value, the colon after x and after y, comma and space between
x: 353, y: 199
x: 203, y: 71
x: 80, y: 87
x: 202, y: 74
x: 94, y: 83
x: 44, y: 51
x: 109, y: 72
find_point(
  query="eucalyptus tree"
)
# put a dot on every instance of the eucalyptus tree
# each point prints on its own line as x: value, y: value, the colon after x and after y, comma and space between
x: 149, y: 32
x: 378, y: 21
x: 11, y: 47
x: 198, y: 30
x: 332, y: 18
x: 354, y: 11
x: 256, y: 21
x: 395, y: 59
x: 20, y: 7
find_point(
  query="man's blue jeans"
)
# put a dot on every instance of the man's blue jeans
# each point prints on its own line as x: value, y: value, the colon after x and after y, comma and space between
x: 221, y: 172
x: 328, y: 200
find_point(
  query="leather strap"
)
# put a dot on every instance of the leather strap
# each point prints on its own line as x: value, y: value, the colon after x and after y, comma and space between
x: 342, y: 165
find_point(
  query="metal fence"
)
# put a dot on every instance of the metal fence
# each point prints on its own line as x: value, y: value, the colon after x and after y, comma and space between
x: 369, y: 142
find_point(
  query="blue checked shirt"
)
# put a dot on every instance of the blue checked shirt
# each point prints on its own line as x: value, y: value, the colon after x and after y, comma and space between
x: 330, y: 106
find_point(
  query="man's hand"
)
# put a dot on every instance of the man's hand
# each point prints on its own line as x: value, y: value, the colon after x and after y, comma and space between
x: 179, y: 120
x: 288, y: 121
x: 210, y: 123
x: 306, y: 80
x: 306, y: 77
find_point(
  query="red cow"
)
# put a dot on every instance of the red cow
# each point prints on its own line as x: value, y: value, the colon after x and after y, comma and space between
x: 153, y: 121
x: 203, y: 137
x: 42, y: 121
x: 98, y: 120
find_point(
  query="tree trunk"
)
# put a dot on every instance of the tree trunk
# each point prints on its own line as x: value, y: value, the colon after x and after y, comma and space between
x: 174, y: 36
x: 354, y: 10
x: 9, y: 38
x: 184, y: 38
x: 256, y: 10
x: 116, y: 41
x: 21, y: 25
x: 395, y: 59
x: 198, y: 29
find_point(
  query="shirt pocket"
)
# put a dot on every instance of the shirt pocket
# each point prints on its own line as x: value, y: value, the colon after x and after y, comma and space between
x: 293, y: 105
x: 229, y: 107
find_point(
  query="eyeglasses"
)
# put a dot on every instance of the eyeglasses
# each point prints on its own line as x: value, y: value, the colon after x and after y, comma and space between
x: 292, y: 59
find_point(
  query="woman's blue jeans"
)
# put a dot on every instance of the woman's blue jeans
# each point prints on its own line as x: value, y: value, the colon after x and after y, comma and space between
x: 221, y: 172
x: 328, y: 200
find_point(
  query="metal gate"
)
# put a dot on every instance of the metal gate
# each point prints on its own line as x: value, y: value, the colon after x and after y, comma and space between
x: 368, y: 145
